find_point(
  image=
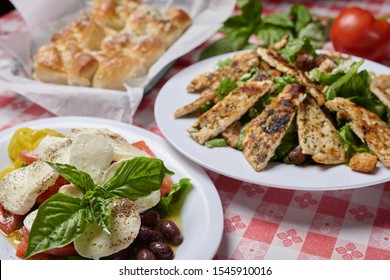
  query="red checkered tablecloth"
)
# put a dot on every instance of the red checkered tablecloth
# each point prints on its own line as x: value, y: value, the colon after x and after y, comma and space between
x: 262, y: 222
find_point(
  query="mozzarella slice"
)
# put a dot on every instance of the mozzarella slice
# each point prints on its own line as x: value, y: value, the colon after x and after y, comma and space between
x: 20, y: 188
x: 143, y: 203
x: 54, y: 149
x: 71, y: 190
x: 122, y: 148
x: 147, y: 202
x: 47, y: 142
x: 29, y: 220
x: 91, y: 154
x: 94, y: 243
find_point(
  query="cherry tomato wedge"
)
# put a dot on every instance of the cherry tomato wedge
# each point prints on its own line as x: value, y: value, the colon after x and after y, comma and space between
x: 9, y: 222
x: 144, y: 147
x: 356, y: 31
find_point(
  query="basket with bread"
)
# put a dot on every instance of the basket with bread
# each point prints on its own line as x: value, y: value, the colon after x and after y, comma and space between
x: 114, y: 42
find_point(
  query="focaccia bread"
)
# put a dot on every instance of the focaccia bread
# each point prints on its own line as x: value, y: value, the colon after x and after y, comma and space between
x: 117, y: 41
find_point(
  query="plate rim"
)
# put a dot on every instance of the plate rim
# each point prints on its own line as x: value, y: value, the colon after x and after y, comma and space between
x: 209, y: 193
x: 209, y: 63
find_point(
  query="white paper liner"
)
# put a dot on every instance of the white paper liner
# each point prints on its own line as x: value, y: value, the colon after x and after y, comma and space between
x: 44, y: 17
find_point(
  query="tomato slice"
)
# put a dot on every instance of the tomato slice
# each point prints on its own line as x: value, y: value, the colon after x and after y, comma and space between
x: 22, y: 247
x: 144, y: 147
x: 27, y: 156
x: 52, y: 190
x: 68, y: 250
x: 166, y: 186
x: 9, y: 222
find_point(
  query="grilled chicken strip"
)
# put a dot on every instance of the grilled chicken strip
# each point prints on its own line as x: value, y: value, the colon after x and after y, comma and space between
x: 204, y: 80
x: 380, y: 86
x: 280, y: 63
x: 241, y: 63
x: 265, y: 132
x: 238, y: 65
x: 232, y: 133
x: 228, y: 110
x: 366, y: 125
x: 317, y: 135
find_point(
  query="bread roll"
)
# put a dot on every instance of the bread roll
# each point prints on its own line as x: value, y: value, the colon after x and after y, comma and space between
x: 118, y: 41
x: 48, y: 66
x: 65, y: 64
x: 104, y: 12
x: 167, y: 26
x: 145, y: 47
x: 114, y: 71
x: 85, y: 31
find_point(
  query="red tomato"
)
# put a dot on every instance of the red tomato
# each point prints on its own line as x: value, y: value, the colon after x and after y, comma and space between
x: 166, y: 186
x: 22, y: 247
x: 65, y: 251
x: 144, y: 147
x: 356, y: 31
x: 9, y: 222
x: 27, y: 156
x: 51, y: 190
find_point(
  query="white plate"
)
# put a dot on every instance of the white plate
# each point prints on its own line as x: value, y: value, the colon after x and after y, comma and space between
x: 202, y: 229
x: 231, y: 162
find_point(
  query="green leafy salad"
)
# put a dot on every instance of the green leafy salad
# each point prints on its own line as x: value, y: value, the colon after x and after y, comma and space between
x: 331, y: 75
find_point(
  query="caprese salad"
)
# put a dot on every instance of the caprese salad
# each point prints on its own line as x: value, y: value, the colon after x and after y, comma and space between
x: 88, y: 194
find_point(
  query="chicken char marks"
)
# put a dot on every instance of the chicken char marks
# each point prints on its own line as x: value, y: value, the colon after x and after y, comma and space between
x: 317, y: 135
x: 228, y: 110
x: 280, y: 63
x: 366, y: 125
x: 265, y: 132
x: 208, y: 83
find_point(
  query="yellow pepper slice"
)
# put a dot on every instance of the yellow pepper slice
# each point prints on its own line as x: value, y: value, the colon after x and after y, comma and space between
x: 25, y: 139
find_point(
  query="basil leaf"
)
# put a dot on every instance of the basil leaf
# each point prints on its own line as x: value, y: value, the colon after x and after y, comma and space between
x: 76, y: 177
x: 233, y: 41
x: 294, y: 46
x: 272, y: 34
x: 101, y: 212
x: 250, y: 12
x: 315, y: 33
x: 59, y: 221
x: 278, y: 19
x: 225, y: 87
x: 301, y: 16
x: 177, y: 194
x: 137, y: 178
